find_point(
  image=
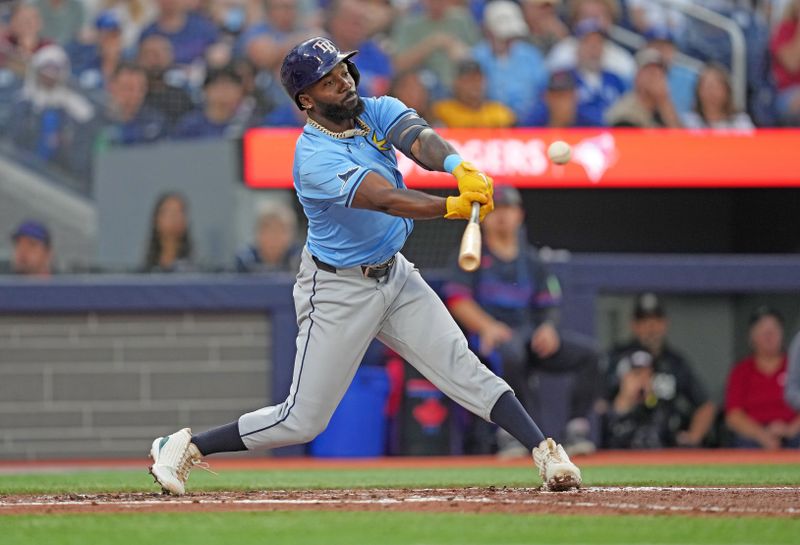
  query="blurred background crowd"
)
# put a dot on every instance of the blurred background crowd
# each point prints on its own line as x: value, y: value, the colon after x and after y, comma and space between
x: 79, y: 75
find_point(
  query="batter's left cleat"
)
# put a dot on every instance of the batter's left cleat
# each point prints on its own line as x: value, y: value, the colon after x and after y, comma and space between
x: 173, y: 457
x: 555, y: 467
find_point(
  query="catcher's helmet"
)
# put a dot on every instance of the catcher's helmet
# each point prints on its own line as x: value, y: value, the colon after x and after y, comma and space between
x: 308, y: 62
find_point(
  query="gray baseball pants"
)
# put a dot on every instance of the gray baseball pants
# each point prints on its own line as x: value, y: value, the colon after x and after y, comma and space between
x: 338, y: 315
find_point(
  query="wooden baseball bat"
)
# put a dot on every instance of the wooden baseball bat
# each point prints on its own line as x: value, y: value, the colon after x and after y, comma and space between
x: 469, y: 256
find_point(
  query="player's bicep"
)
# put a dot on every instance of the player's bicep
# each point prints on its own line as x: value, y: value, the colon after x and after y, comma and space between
x: 373, y: 193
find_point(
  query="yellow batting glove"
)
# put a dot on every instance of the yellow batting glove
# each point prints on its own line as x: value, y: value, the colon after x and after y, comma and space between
x: 471, y: 179
x: 460, y: 207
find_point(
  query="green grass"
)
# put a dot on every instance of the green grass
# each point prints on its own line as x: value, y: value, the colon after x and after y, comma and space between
x: 388, y: 528
x: 131, y: 481
x: 353, y: 528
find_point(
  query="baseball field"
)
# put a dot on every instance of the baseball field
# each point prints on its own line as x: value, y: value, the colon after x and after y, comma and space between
x: 704, y: 497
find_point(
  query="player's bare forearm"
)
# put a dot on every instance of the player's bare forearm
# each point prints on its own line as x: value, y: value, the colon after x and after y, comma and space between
x: 377, y: 193
x: 408, y: 203
x: 739, y: 422
x: 470, y: 315
x: 430, y: 149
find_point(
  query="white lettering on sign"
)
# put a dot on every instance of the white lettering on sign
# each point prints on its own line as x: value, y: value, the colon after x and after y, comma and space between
x: 526, y: 158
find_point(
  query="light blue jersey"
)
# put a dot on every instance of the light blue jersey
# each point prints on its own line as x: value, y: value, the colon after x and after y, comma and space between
x: 327, y: 173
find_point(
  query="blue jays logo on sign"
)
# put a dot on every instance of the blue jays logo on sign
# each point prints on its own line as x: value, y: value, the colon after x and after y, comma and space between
x: 326, y: 46
x: 344, y: 176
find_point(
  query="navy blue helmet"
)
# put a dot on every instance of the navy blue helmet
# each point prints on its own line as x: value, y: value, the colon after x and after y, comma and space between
x: 309, y: 62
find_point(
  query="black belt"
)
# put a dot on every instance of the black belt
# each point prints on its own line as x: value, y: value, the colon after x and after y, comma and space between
x: 370, y: 271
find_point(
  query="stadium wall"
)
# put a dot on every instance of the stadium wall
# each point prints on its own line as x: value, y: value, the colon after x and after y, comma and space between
x: 97, y: 365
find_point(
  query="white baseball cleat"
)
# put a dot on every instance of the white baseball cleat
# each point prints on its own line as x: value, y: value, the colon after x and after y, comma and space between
x: 555, y: 467
x: 173, y: 457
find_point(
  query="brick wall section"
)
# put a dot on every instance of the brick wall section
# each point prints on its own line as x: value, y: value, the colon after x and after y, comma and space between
x: 91, y: 385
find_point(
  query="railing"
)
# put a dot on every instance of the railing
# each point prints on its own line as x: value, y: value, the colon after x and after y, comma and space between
x: 712, y: 18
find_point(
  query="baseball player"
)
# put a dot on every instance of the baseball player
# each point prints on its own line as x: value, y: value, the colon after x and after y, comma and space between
x: 354, y: 284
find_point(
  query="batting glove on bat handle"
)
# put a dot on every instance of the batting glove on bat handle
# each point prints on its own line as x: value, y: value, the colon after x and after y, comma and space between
x: 460, y: 207
x: 471, y: 179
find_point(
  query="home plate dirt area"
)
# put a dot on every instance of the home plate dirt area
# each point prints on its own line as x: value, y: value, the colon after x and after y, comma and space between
x: 710, y: 501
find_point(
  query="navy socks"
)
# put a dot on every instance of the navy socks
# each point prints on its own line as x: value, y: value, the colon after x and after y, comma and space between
x: 222, y: 439
x: 509, y: 414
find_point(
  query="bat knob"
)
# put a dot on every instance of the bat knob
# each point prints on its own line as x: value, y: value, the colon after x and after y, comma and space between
x: 469, y: 263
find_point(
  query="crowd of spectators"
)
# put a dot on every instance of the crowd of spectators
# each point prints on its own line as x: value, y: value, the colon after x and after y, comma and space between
x: 79, y: 74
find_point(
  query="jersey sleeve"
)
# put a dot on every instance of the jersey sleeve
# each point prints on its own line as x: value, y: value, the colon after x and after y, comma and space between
x: 388, y: 111
x: 330, y: 177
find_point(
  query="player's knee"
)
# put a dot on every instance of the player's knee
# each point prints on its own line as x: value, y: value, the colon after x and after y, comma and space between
x: 308, y: 434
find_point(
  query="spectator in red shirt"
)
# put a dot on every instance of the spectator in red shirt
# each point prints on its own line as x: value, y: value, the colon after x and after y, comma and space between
x: 785, y: 49
x: 755, y: 409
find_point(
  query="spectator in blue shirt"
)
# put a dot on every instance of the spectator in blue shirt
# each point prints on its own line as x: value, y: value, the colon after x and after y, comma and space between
x: 597, y: 87
x: 128, y: 119
x: 93, y: 63
x: 191, y: 34
x: 559, y: 107
x: 224, y: 113
x: 10, y: 86
x: 51, y: 121
x: 347, y: 28
x: 681, y: 79
x: 515, y: 70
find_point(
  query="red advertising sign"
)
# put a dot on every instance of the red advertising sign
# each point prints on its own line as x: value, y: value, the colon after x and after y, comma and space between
x: 601, y: 158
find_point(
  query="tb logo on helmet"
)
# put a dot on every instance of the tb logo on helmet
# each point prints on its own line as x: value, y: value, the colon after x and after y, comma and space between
x: 326, y: 46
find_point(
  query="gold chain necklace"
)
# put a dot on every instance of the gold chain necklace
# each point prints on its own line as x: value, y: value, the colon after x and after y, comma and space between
x: 349, y: 133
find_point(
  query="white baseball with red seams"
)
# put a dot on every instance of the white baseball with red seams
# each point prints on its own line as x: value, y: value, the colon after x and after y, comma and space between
x: 559, y: 152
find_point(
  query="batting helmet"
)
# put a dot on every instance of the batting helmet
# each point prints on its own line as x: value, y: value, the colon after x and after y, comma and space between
x: 309, y: 62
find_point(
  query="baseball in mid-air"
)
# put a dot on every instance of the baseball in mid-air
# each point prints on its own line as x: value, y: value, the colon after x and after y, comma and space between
x: 559, y: 152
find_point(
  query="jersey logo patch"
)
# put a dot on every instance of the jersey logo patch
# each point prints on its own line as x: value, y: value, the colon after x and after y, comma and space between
x: 326, y: 46
x: 345, y: 176
x: 380, y: 144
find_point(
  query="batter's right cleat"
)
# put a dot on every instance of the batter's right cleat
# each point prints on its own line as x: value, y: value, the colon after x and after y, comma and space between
x: 555, y: 467
x: 173, y: 457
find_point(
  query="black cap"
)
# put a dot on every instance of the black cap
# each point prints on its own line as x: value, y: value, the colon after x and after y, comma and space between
x: 506, y: 195
x: 468, y: 66
x: 761, y: 312
x: 561, y: 81
x: 225, y: 72
x: 648, y: 305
